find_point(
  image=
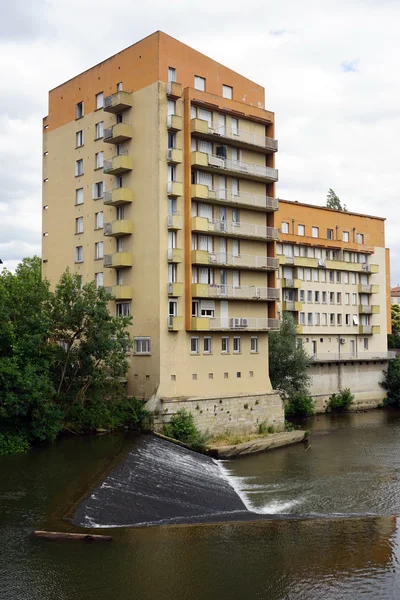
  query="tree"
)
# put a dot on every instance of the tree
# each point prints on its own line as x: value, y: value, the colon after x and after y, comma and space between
x: 288, y: 361
x: 391, y: 382
x: 333, y: 201
x: 395, y: 314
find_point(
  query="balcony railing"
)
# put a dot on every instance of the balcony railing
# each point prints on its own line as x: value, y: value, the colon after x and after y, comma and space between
x: 226, y: 196
x: 245, y: 169
x: 118, y: 102
x: 174, y: 89
x: 118, y: 133
x: 245, y: 137
x: 246, y: 292
x: 244, y: 261
x: 368, y: 289
x: 174, y: 122
x: 118, y: 164
x: 118, y: 260
x: 242, y: 323
x: 175, y: 323
x: 234, y: 228
x: 175, y: 221
x: 118, y: 228
x: 348, y: 356
x: 118, y: 196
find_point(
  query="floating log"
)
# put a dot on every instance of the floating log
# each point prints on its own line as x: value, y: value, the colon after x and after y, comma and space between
x: 61, y: 535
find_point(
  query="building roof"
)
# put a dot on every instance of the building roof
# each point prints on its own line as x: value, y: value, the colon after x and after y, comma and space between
x: 347, y: 212
x: 395, y: 292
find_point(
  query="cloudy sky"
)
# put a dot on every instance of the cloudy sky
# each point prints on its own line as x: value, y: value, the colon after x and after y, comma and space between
x: 330, y: 69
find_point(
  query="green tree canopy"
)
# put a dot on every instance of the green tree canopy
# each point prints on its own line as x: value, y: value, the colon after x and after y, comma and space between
x: 395, y: 314
x: 333, y: 201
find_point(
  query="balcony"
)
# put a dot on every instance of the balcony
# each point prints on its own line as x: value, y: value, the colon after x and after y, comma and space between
x: 175, y: 323
x: 118, y: 228
x: 175, y: 221
x: 174, y: 156
x: 121, y: 132
x: 175, y: 255
x: 355, y: 356
x: 118, y: 102
x: 200, y: 324
x: 247, y: 292
x: 175, y: 289
x: 368, y: 289
x: 240, y: 138
x: 251, y: 171
x: 174, y: 90
x: 122, y: 163
x: 291, y: 283
x: 120, y: 292
x: 369, y: 329
x: 370, y: 309
x: 243, y: 261
x: 232, y: 228
x: 233, y: 324
x: 292, y: 306
x: 118, y: 196
x: 228, y: 198
x: 174, y: 188
x: 174, y: 122
x: 118, y: 260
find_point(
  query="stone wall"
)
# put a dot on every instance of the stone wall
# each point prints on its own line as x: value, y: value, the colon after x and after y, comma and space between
x: 363, y: 379
x: 236, y: 414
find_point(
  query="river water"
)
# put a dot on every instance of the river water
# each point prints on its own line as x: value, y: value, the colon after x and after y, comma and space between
x: 306, y: 522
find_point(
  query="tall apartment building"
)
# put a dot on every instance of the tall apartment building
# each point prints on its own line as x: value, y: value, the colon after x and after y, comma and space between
x: 335, y: 279
x: 159, y: 184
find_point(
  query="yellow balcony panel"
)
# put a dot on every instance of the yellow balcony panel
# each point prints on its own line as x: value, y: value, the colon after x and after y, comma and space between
x: 370, y: 309
x: 175, y: 289
x: 291, y: 283
x: 369, y: 329
x: 292, y: 306
x: 200, y: 224
x: 174, y: 155
x: 118, y: 228
x: 368, y: 289
x: 175, y: 255
x: 341, y: 265
x: 118, y: 165
x: 118, y: 102
x: 118, y: 196
x: 175, y: 221
x: 303, y: 261
x: 373, y: 268
x: 200, y: 290
x: 199, y: 159
x: 174, y: 89
x: 200, y: 191
x: 174, y: 122
x: 199, y: 126
x: 118, y: 260
x: 121, y: 292
x: 200, y: 257
x: 200, y: 324
x: 299, y: 329
x: 121, y: 132
x: 175, y: 323
x: 174, y: 188
x: 286, y: 260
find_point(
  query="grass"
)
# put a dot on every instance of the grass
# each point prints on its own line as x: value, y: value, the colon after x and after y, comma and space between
x: 233, y: 439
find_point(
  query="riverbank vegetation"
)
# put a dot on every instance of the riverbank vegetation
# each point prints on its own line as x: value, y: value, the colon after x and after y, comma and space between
x: 288, y: 368
x: 182, y: 428
x: 391, y: 382
x: 63, y: 359
x: 340, y: 402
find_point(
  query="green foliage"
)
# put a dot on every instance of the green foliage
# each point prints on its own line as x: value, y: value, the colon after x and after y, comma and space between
x: 288, y: 362
x: 13, y: 444
x: 102, y: 413
x: 263, y: 427
x: 300, y: 405
x: 182, y: 428
x: 340, y: 402
x: 394, y: 337
x: 271, y: 429
x: 333, y: 201
x: 391, y: 382
x: 289, y: 426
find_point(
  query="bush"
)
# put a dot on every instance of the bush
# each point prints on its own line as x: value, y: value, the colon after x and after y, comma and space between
x: 340, y: 402
x: 391, y: 382
x: 13, y: 443
x: 289, y: 426
x: 182, y: 428
x: 99, y: 413
x: 300, y: 405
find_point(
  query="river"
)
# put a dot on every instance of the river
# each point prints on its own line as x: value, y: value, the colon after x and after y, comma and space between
x: 326, y: 525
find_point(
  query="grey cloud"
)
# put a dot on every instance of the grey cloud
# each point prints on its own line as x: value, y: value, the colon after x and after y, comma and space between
x: 24, y: 19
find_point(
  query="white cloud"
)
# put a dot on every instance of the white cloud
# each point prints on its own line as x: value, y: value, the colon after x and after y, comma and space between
x: 330, y: 70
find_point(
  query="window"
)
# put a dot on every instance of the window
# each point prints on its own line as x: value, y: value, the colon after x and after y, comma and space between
x: 309, y: 318
x: 122, y: 309
x: 99, y: 220
x: 254, y: 344
x: 315, y: 274
x: 79, y: 196
x: 99, y: 100
x: 315, y: 232
x: 120, y: 276
x: 79, y: 167
x: 329, y: 234
x: 79, y: 254
x: 331, y: 297
x: 171, y: 173
x: 141, y: 345
x: 98, y: 249
x: 338, y: 277
x: 285, y: 227
x: 194, y: 345
x: 347, y: 320
x: 347, y: 298
x: 302, y: 318
x: 331, y: 276
x: 365, y: 343
x: 354, y: 299
x: 339, y: 319
x: 308, y: 274
x: 99, y: 160
x: 172, y: 274
x: 345, y: 236
x: 332, y: 318
x: 360, y: 238
x: 302, y: 295
x: 316, y: 318
x: 346, y: 277
x: 324, y: 295
x: 199, y: 83
x: 322, y: 275
x: 238, y: 374
x: 316, y: 297
x: 171, y: 74
x: 79, y: 138
x: 207, y: 345
x: 225, y: 345
x: 171, y: 140
x: 79, y: 225
x: 120, y: 244
x: 338, y: 297
x: 227, y: 92
x: 309, y: 295
x: 235, y: 126
x: 324, y: 319
x: 120, y: 213
x: 79, y: 110
x: 300, y: 273
x: 99, y: 130
x: 355, y: 319
x: 119, y: 87
x: 99, y: 280
x: 353, y: 278
x: 98, y: 190
x: 237, y: 345
x: 300, y: 229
